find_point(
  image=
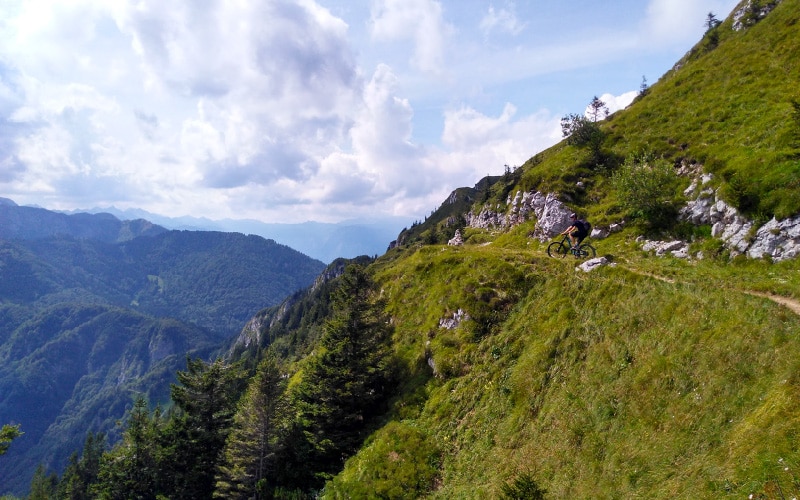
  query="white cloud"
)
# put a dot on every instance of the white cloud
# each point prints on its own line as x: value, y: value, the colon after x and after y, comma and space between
x: 678, y: 22
x: 266, y: 109
x: 614, y: 103
x: 422, y: 21
x: 503, y: 20
x: 483, y: 144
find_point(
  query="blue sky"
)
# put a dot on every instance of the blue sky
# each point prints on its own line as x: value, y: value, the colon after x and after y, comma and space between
x: 298, y: 110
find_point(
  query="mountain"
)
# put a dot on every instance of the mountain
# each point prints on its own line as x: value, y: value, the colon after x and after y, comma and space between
x: 76, y: 368
x: 33, y: 223
x: 658, y: 374
x: 322, y: 241
x: 668, y: 369
x: 91, y: 316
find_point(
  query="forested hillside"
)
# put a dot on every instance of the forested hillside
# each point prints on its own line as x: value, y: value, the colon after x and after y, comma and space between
x: 87, y: 325
x: 486, y: 369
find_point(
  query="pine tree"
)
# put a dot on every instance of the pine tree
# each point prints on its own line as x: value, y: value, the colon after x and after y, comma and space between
x: 251, y: 449
x: 207, y: 397
x: 131, y: 470
x: 346, y: 381
x: 82, y: 472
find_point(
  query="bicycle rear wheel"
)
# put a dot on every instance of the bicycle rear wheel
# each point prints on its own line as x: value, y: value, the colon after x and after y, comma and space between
x: 586, y: 251
x: 557, y: 250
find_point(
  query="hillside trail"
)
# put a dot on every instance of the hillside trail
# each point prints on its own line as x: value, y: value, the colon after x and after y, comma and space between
x: 792, y: 304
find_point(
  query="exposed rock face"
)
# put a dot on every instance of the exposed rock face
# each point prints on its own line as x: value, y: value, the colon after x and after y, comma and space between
x: 457, y: 240
x: 552, y: 215
x: 454, y: 321
x: 778, y: 239
x: 676, y: 248
x: 759, y: 12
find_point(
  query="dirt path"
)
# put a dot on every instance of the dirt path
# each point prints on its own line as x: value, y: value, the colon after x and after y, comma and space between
x: 792, y: 304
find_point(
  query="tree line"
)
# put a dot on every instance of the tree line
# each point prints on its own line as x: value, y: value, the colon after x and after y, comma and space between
x: 273, y: 431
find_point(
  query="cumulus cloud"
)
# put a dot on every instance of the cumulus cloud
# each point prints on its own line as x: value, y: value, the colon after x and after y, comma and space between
x: 421, y: 21
x: 261, y: 109
x: 613, y: 103
x: 485, y: 144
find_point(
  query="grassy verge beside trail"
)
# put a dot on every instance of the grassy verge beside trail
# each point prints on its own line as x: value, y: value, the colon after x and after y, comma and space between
x: 598, y: 385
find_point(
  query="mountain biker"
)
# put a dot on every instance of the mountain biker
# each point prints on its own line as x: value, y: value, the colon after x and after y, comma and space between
x: 577, y: 231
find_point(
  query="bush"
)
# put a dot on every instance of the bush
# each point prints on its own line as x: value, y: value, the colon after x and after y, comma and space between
x: 647, y: 188
x: 523, y: 487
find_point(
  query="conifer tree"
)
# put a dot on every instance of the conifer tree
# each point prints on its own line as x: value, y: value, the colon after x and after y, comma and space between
x: 82, y: 472
x: 131, y: 469
x: 206, y: 397
x: 250, y: 452
x: 348, y: 378
x: 597, y: 108
x: 43, y: 485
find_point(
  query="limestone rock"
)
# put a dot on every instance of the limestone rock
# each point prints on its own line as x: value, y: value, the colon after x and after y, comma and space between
x: 457, y: 240
x: 592, y: 264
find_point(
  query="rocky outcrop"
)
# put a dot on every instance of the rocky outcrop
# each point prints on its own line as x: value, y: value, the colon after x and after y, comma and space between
x: 552, y: 215
x: 676, y: 248
x: 453, y: 321
x: 520, y: 208
x: 780, y: 240
x: 749, y: 13
x: 456, y: 240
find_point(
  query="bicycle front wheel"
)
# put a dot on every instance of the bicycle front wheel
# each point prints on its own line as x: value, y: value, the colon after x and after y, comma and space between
x: 587, y: 251
x: 557, y: 250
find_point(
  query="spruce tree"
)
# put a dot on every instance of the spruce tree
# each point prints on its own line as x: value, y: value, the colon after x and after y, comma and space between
x: 347, y: 379
x: 131, y: 470
x: 206, y: 397
x: 251, y: 448
x: 82, y: 472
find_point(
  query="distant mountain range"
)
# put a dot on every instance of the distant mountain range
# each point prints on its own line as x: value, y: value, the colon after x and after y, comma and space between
x: 319, y: 240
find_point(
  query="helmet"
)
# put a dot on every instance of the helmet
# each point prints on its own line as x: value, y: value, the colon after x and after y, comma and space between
x: 573, y: 216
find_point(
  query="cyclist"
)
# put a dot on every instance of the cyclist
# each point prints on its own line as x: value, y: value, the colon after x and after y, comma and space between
x: 577, y: 231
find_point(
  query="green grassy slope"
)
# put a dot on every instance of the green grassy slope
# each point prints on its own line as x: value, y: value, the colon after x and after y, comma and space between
x: 654, y: 378
x: 651, y: 378
x: 610, y: 384
x: 730, y: 107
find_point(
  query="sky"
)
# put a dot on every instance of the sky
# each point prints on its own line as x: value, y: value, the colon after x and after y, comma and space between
x: 303, y: 110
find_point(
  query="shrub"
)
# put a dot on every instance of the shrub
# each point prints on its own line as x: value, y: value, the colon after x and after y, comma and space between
x: 523, y: 487
x: 646, y: 188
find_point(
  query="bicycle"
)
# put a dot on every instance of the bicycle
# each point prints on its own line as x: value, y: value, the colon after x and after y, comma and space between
x: 560, y: 249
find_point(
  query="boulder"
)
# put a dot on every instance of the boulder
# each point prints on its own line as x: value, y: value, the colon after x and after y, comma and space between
x: 456, y: 240
x: 553, y: 217
x: 592, y: 264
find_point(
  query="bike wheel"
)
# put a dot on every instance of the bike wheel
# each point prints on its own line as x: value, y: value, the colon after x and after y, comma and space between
x: 587, y: 251
x: 557, y: 250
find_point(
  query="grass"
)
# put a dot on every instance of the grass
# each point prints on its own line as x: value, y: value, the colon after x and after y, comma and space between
x: 602, y: 385
x: 657, y: 378
x: 729, y: 108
